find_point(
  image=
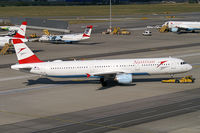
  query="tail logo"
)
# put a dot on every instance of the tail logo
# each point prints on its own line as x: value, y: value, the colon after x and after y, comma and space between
x: 162, y: 62
x: 21, y: 50
x: 22, y: 29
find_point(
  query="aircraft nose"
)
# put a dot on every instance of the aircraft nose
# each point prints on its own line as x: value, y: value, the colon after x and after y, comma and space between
x: 189, y: 67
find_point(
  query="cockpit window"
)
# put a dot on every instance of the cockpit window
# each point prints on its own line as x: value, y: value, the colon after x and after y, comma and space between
x: 182, y: 63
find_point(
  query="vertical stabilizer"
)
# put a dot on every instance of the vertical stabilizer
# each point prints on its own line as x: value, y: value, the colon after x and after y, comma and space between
x: 24, y: 54
x: 88, y: 31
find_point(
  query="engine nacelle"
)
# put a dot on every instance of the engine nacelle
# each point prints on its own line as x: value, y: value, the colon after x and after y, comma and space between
x: 124, y: 78
x: 174, y: 29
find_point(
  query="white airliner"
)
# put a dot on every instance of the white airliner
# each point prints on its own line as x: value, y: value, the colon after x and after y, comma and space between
x: 20, y: 34
x: 120, y: 70
x: 177, y: 26
x: 10, y: 28
x: 68, y: 38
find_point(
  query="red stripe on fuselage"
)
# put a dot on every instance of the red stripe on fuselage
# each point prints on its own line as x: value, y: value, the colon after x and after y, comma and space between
x: 31, y: 59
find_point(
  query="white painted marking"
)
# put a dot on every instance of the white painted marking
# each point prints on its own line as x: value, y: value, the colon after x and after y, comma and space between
x: 17, y: 77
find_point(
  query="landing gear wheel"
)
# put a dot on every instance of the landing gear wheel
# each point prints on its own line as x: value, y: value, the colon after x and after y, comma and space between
x: 101, y: 80
x: 172, y: 75
x: 104, y: 83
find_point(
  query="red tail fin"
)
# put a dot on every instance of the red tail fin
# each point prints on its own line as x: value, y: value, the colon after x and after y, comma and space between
x: 24, y: 54
x: 88, y: 31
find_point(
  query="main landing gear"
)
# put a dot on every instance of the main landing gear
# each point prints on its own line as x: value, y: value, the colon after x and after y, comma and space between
x: 104, y: 83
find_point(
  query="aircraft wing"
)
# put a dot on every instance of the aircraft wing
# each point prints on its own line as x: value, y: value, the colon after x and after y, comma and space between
x: 183, y: 27
x: 108, y: 73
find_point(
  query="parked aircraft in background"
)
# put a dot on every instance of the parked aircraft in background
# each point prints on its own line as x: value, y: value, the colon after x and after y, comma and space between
x: 177, y: 26
x: 68, y: 38
x: 20, y: 34
x: 120, y: 70
x: 10, y: 28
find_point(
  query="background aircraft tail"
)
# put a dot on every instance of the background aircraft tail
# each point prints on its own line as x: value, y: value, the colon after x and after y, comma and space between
x: 88, y: 31
x: 24, y: 54
x: 46, y: 32
x: 22, y: 31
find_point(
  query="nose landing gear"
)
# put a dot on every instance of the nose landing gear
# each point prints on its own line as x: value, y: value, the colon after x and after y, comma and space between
x: 172, y: 75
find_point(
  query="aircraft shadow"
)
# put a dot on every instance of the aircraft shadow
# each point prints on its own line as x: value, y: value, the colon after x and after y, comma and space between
x: 113, y: 85
x: 77, y: 43
x: 35, y: 51
x: 84, y: 43
x: 151, y: 79
x: 85, y: 81
x: 187, y: 32
x: 49, y: 81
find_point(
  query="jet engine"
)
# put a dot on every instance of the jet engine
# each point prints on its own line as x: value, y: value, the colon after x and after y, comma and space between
x: 124, y: 78
x: 174, y: 29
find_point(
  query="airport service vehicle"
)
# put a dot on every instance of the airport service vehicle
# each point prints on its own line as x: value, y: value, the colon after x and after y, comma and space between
x: 147, y: 33
x: 177, y: 26
x: 124, y: 32
x: 120, y: 70
x: 68, y: 38
x: 187, y: 79
x: 20, y: 34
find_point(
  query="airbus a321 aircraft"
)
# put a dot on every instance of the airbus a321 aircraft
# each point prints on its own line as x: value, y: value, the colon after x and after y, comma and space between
x: 68, y: 38
x: 120, y: 70
x: 20, y: 34
x: 177, y: 26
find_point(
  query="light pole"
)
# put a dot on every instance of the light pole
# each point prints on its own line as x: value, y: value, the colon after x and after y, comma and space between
x: 110, y: 15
